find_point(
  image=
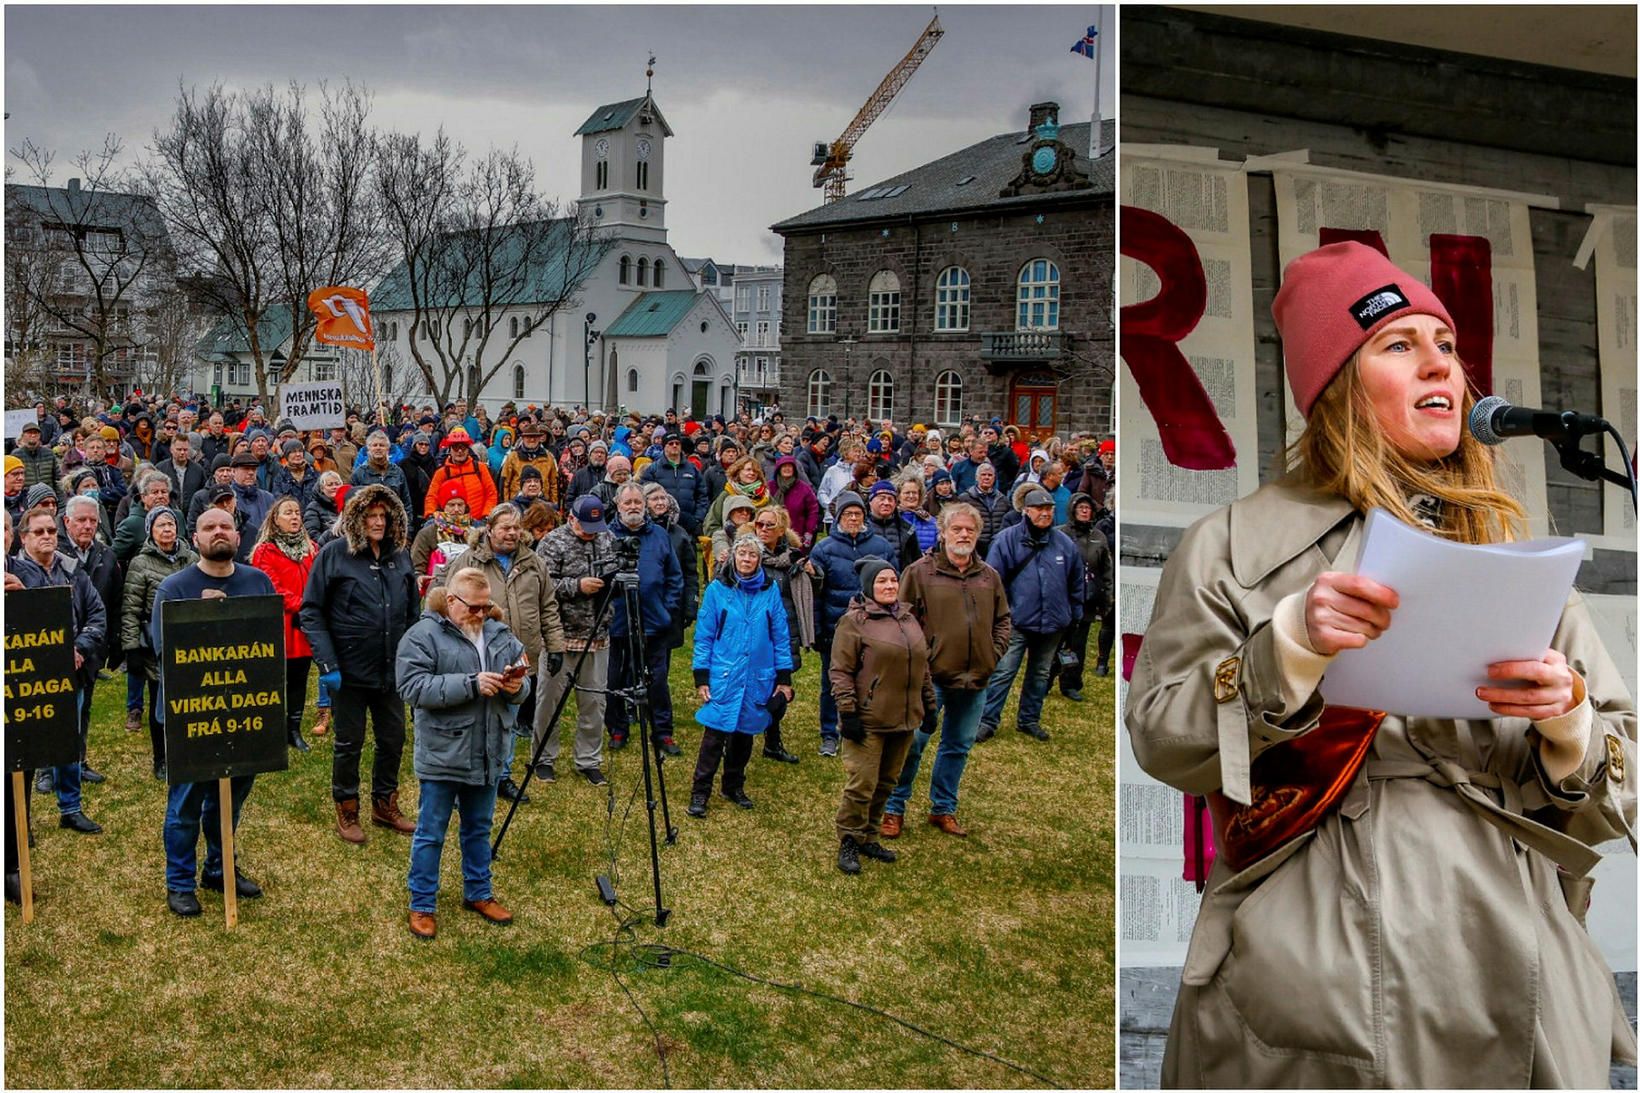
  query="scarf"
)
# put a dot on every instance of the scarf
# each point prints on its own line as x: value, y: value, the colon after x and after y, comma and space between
x: 452, y: 529
x: 294, y: 545
x: 758, y: 492
x: 751, y: 584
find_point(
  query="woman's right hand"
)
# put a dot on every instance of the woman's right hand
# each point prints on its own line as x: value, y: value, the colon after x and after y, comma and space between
x: 1345, y: 611
x: 704, y: 693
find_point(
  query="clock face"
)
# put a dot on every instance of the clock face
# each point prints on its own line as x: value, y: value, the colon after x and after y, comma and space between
x: 602, y: 148
x: 1043, y: 160
x: 643, y: 148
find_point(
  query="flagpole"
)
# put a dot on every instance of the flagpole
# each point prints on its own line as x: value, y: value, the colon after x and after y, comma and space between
x: 1096, y: 138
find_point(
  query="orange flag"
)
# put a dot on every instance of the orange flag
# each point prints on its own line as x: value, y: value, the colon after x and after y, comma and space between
x: 344, y: 317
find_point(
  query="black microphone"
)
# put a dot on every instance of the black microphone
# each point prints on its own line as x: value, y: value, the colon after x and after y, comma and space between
x: 1494, y: 420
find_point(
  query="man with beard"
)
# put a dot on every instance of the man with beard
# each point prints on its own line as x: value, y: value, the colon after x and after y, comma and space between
x: 194, y: 806
x: 40, y: 463
x: 588, y: 477
x: 660, y: 589
x: 962, y: 607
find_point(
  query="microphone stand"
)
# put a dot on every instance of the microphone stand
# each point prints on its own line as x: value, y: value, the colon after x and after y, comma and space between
x: 1590, y: 467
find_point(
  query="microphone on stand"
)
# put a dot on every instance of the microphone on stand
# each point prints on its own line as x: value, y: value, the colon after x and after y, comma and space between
x: 1494, y: 420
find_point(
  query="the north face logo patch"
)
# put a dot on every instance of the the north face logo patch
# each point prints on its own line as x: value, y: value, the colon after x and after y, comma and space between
x: 1372, y: 307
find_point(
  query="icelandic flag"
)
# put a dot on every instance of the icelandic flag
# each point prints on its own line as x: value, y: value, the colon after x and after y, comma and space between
x: 1085, y: 46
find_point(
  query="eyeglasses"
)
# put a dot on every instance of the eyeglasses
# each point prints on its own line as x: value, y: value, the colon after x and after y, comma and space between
x: 471, y: 604
x: 766, y: 524
x: 43, y: 531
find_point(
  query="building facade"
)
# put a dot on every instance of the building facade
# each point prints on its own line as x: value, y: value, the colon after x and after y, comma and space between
x: 586, y: 355
x: 979, y: 283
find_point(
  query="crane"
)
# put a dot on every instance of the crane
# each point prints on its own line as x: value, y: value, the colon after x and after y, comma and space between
x: 831, y: 160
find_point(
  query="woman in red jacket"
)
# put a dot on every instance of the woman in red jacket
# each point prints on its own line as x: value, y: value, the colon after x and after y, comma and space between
x: 285, y: 553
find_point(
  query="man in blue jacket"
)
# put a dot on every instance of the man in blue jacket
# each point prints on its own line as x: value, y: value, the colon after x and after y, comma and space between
x: 686, y: 484
x: 1042, y: 570
x: 831, y: 566
x: 660, y: 587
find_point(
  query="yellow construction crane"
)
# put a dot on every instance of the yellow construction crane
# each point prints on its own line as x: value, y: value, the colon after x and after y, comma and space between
x: 831, y: 160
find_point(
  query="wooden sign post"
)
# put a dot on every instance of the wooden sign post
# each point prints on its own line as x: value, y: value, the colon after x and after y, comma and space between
x: 42, y: 705
x: 223, y: 679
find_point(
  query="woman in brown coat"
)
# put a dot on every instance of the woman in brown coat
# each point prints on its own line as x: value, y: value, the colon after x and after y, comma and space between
x: 1421, y: 928
x: 881, y: 683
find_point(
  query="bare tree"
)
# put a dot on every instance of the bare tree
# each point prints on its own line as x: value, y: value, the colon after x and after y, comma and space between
x: 268, y: 203
x: 88, y: 258
x: 483, y: 258
x: 398, y: 385
x: 172, y: 331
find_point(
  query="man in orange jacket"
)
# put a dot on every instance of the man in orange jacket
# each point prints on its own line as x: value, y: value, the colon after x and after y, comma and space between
x: 463, y: 471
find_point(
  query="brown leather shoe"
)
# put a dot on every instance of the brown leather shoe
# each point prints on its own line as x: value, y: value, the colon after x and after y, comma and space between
x: 133, y: 720
x: 490, y: 909
x: 947, y: 823
x: 347, y: 821
x: 423, y: 925
x: 384, y: 812
x: 322, y: 724
x: 892, y: 824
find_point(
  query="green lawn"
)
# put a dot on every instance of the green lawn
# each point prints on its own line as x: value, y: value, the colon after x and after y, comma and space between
x: 1002, y: 941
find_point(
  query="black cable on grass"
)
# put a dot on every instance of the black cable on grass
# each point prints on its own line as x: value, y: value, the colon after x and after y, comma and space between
x: 660, y: 956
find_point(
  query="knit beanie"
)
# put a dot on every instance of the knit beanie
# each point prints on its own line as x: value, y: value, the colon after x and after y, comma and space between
x: 844, y: 500
x: 1332, y: 300
x: 882, y: 485
x: 37, y: 494
x: 155, y: 514
x: 868, y: 568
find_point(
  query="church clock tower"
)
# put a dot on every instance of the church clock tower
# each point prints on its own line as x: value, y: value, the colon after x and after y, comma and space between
x: 623, y: 168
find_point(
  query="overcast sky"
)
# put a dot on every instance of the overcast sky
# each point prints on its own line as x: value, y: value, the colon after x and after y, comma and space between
x: 746, y: 89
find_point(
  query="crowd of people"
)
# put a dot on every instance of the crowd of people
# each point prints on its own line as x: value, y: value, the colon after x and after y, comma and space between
x: 463, y: 565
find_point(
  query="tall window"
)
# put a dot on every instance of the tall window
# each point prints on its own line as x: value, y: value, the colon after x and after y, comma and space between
x: 763, y: 297
x: 603, y: 174
x: 823, y: 305
x: 742, y: 327
x: 743, y: 297
x: 643, y: 271
x: 643, y: 175
x: 951, y: 299
x: 881, y: 401
x: 762, y: 333
x: 660, y: 273
x: 625, y: 275
x: 518, y: 381
x: 883, y: 312
x: 1038, y: 296
x: 632, y: 381
x: 947, y: 398
x: 819, y: 393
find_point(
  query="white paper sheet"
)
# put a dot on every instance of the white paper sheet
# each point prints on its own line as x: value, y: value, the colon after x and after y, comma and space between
x: 1462, y: 608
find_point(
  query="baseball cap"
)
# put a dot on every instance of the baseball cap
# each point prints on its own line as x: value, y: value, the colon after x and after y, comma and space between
x: 589, y: 513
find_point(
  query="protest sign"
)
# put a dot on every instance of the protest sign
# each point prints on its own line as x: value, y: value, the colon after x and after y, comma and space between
x: 223, y: 681
x: 313, y: 405
x: 17, y: 419
x: 42, y: 713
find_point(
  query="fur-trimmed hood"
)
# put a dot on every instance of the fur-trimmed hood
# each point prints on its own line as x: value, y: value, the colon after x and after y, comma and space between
x: 351, y: 521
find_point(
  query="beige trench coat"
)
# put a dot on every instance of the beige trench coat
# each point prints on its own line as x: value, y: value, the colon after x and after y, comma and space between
x: 1420, y: 936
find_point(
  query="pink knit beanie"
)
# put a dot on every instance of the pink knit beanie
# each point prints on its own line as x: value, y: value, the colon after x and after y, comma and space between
x: 1331, y: 301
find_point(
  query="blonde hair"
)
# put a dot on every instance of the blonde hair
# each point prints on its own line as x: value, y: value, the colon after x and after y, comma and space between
x: 1342, y: 450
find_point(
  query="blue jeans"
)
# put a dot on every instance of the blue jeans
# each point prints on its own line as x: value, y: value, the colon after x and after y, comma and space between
x: 188, y: 808
x: 66, y: 778
x: 962, y: 712
x: 1036, y: 651
x: 324, y: 697
x: 134, y: 681
x: 438, y: 800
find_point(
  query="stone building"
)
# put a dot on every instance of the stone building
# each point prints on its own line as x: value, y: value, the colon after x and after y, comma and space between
x: 979, y: 283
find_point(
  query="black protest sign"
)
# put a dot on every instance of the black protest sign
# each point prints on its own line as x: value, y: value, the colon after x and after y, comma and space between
x: 223, y: 680
x: 42, y: 704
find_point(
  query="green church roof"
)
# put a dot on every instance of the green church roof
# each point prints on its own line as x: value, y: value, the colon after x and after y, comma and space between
x: 653, y: 315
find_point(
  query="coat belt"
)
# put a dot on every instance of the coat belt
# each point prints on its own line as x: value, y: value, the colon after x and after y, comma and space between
x: 1575, y: 857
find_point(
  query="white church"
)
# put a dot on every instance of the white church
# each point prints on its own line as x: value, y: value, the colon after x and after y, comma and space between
x: 642, y: 337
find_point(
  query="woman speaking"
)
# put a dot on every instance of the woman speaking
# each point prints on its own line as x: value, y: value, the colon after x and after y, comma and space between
x: 1400, y: 904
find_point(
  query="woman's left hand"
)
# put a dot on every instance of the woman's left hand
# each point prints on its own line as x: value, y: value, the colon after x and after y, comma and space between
x: 785, y: 691
x: 1551, y: 691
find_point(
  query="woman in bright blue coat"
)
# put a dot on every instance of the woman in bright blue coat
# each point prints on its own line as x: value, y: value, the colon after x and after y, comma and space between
x: 743, y: 670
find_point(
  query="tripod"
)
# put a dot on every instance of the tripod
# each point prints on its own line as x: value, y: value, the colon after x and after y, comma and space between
x: 625, y: 584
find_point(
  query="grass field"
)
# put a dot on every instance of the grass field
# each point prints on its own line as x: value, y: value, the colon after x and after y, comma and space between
x: 1002, y: 941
